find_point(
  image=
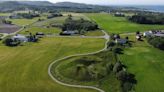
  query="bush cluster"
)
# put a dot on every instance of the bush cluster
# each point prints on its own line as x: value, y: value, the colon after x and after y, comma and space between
x: 54, y: 15
x: 157, y: 42
x: 81, y: 24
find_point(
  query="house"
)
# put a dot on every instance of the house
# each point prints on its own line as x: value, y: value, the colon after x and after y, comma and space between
x: 15, y: 16
x: 154, y: 33
x: 40, y: 34
x: 159, y: 35
x: 121, y: 41
x: 138, y: 37
x: 119, y: 14
x: 21, y: 38
x: 149, y: 33
x: 68, y: 33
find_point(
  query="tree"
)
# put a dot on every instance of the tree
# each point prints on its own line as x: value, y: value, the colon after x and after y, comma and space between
x: 122, y: 75
x: 78, y: 68
x: 117, y: 67
x: 11, y: 42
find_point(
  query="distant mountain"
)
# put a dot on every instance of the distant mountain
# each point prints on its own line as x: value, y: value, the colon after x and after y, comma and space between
x: 71, y: 4
x: 6, y: 5
x: 31, y: 3
x: 37, y: 3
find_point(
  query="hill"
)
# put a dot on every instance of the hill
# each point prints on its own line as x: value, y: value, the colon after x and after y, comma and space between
x: 45, y: 5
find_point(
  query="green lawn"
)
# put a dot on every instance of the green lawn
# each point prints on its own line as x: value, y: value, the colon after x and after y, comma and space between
x: 24, y: 68
x: 23, y: 22
x: 1, y: 35
x: 47, y: 22
x: 4, y: 14
x: 34, y: 30
x: 94, y: 33
x: 119, y: 24
x: 147, y: 63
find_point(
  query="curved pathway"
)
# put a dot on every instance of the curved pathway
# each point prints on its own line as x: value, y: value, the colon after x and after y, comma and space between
x: 106, y: 36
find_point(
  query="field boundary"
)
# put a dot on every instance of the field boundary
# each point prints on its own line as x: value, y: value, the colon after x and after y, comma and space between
x: 106, y: 37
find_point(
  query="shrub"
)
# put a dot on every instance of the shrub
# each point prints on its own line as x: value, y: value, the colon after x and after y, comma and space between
x: 157, y: 42
x: 81, y: 24
x: 11, y: 42
x: 117, y: 67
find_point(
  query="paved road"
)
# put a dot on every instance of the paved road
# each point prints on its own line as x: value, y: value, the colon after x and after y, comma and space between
x: 106, y: 36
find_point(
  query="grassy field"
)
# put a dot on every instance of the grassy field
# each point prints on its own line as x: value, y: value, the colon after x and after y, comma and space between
x: 147, y: 63
x: 24, y: 68
x: 60, y: 20
x: 4, y: 14
x: 119, y: 24
x: 23, y: 22
x: 94, y: 33
x: 47, y: 22
x: 33, y: 30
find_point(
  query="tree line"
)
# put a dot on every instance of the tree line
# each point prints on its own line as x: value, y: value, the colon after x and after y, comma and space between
x: 148, y: 18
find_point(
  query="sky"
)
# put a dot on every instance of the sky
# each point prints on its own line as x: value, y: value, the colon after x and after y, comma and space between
x: 116, y: 2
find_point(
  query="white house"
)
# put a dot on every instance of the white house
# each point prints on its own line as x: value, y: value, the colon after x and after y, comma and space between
x: 149, y: 33
x: 22, y: 38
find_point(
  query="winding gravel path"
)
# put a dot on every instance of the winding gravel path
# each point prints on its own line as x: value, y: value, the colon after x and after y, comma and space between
x: 106, y: 36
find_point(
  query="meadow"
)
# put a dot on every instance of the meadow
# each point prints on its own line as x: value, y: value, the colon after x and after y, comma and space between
x: 147, y: 63
x: 24, y: 68
x: 119, y: 24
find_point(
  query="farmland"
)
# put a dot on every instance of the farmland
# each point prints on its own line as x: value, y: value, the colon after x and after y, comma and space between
x: 26, y: 66
x: 32, y: 59
x: 5, y: 28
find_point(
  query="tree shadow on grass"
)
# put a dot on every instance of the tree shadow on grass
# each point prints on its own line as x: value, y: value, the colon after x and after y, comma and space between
x: 118, y: 51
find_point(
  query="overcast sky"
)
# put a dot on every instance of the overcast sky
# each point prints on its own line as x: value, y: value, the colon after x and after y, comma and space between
x: 116, y: 2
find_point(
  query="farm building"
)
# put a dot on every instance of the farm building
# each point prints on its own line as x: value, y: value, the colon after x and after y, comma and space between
x: 149, y: 33
x: 40, y: 34
x: 119, y: 14
x: 21, y: 38
x: 154, y: 33
x: 68, y: 33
